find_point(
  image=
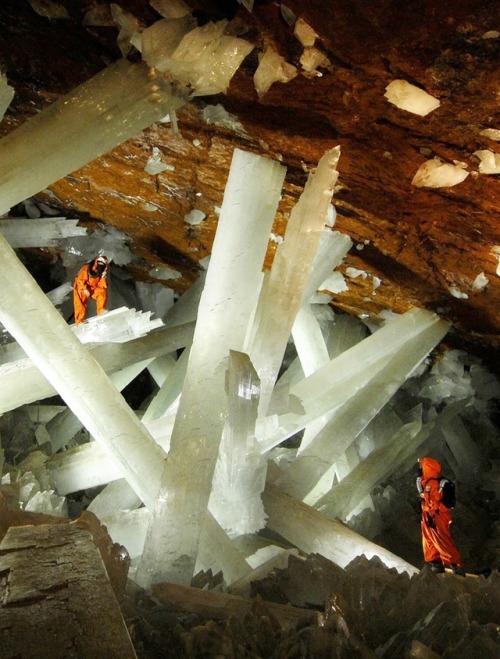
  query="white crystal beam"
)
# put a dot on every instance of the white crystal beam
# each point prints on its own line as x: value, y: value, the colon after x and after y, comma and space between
x: 408, y: 441
x: 22, y: 381
x: 81, y: 468
x: 284, y: 287
x: 161, y: 368
x: 240, y: 472
x: 343, y: 498
x: 332, y: 248
x: 233, y: 282
x: 43, y: 232
x: 103, y: 112
x: 117, y: 495
x: 89, y: 464
x: 309, y: 341
x: 65, y: 425
x: 356, y: 412
x: 465, y: 450
x: 218, y: 553
x: 169, y: 391
x: 334, y: 383
x: 127, y: 528
x: 312, y: 532
x: 45, y: 337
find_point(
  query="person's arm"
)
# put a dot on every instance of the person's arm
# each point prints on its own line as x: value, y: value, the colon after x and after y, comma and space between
x: 101, y: 294
x: 80, y: 283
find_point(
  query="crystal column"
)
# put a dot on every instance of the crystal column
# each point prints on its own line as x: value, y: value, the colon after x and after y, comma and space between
x: 284, y: 288
x: 240, y: 472
x: 103, y: 112
x: 227, y: 303
x: 312, y: 532
x: 353, y: 415
x: 44, y: 335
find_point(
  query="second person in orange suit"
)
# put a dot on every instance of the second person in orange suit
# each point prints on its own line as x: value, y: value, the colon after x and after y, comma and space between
x: 438, y: 547
x: 91, y: 282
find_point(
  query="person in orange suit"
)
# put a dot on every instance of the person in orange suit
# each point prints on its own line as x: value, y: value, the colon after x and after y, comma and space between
x: 438, y: 547
x: 91, y: 282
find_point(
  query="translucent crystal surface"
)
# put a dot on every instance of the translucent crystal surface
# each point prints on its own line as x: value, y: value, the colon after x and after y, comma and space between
x: 333, y: 384
x: 117, y: 495
x: 44, y: 335
x: 240, y: 472
x: 408, y: 97
x: 205, y: 59
x: 119, y: 325
x: 272, y: 68
x: 283, y: 290
x: 363, y: 404
x: 44, y: 232
x: 227, y: 303
x: 436, y: 174
x: 82, y: 468
x: 116, y: 104
x: 24, y: 382
x: 312, y: 532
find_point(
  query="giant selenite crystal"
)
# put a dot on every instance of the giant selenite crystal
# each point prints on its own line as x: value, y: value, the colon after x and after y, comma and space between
x: 227, y: 304
x: 312, y: 532
x: 410, y: 439
x: 240, y: 473
x: 24, y: 383
x: 284, y: 287
x: 108, y: 109
x: 44, y: 335
x: 330, y: 387
x: 21, y: 232
x: 383, y: 369
x: 63, y: 426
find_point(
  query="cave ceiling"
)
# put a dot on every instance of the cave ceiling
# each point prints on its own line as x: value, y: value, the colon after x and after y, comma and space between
x: 419, y: 242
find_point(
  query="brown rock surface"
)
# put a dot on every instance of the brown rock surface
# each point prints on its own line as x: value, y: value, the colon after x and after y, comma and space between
x: 420, y: 242
x: 55, y: 596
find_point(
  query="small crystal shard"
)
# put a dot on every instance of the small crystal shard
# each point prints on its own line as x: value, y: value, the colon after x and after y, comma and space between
x: 304, y: 33
x: 492, y: 133
x: 436, y: 174
x: 480, y: 282
x: 171, y: 8
x: 410, y: 98
x: 272, y: 68
x: 155, y: 165
x: 490, y: 162
x: 194, y: 217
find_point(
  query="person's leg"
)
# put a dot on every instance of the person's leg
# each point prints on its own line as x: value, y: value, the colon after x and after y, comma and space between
x: 100, y: 297
x: 80, y: 307
x: 444, y: 544
x: 431, y: 553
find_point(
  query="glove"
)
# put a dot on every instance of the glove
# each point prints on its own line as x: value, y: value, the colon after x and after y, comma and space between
x: 86, y: 293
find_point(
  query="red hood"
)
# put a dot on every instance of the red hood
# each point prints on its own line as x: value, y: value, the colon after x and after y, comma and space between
x: 430, y: 467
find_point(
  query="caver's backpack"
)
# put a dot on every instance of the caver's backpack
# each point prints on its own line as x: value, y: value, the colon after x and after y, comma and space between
x: 447, y: 489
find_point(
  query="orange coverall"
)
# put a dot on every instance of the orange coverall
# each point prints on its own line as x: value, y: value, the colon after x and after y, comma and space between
x: 89, y: 284
x: 436, y: 518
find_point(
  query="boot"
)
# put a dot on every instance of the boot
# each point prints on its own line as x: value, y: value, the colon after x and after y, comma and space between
x: 436, y: 566
x: 457, y: 569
